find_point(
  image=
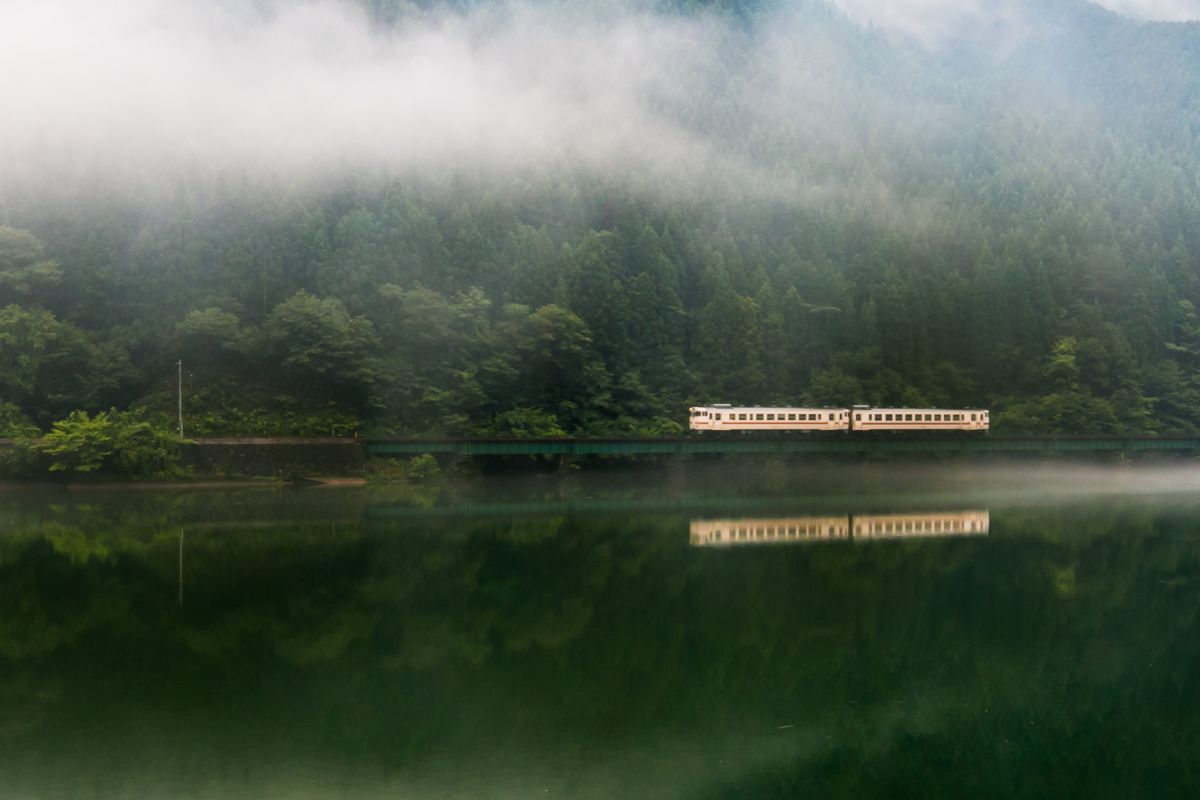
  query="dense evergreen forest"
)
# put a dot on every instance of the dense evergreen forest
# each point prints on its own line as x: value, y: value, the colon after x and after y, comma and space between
x: 1014, y: 227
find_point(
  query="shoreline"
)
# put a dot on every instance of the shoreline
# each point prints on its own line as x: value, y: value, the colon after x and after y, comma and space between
x: 187, y: 485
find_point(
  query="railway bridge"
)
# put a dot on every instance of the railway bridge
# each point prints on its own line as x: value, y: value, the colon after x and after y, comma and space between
x: 782, y: 444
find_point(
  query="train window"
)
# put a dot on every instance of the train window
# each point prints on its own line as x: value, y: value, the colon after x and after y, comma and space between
x: 972, y: 418
x: 887, y: 417
x: 908, y: 417
x: 929, y: 417
x: 717, y: 417
x: 758, y: 416
x: 770, y: 416
x: 937, y: 417
x: 792, y: 417
x: 741, y: 416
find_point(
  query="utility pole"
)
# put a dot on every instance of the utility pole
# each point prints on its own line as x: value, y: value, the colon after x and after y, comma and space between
x: 179, y: 364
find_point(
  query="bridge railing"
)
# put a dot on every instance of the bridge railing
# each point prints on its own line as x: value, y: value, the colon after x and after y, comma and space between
x: 788, y: 444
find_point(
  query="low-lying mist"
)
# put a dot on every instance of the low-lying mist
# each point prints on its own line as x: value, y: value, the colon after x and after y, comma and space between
x: 797, y: 103
x: 137, y: 85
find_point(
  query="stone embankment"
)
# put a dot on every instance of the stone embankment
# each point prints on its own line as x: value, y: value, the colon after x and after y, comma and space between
x: 284, y: 457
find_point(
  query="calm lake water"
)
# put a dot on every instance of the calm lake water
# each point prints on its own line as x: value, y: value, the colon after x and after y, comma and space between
x: 869, y: 631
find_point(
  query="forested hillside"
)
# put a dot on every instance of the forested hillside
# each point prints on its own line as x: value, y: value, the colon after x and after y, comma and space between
x: 824, y: 213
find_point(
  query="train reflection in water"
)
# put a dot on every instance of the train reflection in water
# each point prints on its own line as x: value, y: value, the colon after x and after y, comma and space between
x: 727, y: 532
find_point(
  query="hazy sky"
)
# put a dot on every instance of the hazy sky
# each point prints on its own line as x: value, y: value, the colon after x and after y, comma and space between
x: 925, y: 17
x: 1166, y: 10
x: 933, y: 21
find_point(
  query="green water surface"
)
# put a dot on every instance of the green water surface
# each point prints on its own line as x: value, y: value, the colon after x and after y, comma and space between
x: 564, y: 637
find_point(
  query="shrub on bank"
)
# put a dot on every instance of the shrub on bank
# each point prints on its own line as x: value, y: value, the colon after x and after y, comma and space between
x: 389, y: 470
x: 109, y: 443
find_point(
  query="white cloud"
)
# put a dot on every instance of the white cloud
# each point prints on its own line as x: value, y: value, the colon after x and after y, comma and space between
x: 312, y: 83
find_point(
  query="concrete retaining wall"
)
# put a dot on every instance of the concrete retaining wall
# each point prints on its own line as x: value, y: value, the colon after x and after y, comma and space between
x: 273, y: 457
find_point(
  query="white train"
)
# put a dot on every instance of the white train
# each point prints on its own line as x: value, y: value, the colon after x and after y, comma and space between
x: 722, y: 417
x: 858, y: 527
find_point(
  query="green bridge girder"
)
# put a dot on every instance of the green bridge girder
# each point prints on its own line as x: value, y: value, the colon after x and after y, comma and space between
x: 845, y: 444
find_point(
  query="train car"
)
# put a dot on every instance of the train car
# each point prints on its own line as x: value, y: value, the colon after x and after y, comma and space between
x: 892, y: 526
x: 761, y: 418
x: 865, y: 418
x: 727, y: 532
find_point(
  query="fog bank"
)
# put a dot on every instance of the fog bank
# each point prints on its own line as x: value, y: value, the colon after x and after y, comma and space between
x: 152, y: 83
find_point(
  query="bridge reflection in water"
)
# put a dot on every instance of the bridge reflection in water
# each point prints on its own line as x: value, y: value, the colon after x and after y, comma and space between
x: 864, y: 527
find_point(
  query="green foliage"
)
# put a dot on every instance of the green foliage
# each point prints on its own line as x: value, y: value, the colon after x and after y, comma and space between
x: 79, y: 443
x: 385, y: 470
x: 423, y: 467
x: 389, y: 470
x: 14, y: 424
x: 142, y: 450
x: 110, y: 442
x: 25, y: 272
x: 525, y: 423
x: 22, y: 461
x: 318, y: 346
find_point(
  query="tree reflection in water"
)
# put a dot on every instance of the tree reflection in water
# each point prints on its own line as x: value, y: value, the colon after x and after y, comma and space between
x: 590, y: 653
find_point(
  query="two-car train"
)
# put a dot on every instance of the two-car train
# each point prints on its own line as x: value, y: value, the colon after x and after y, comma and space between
x: 722, y: 417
